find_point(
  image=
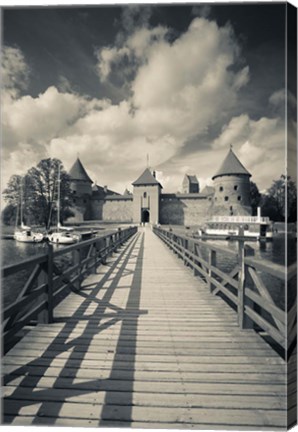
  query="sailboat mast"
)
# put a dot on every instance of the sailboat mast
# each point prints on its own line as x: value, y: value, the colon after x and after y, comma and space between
x: 58, y: 203
x: 21, y: 204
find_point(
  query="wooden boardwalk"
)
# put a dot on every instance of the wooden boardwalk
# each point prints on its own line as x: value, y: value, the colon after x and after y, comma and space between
x: 144, y: 344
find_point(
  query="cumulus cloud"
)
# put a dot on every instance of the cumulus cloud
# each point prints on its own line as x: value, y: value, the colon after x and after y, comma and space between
x: 178, y: 89
x: 15, y: 71
x: 260, y: 144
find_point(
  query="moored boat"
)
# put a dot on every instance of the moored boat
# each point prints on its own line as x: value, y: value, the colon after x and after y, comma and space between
x: 247, y: 227
x: 26, y: 235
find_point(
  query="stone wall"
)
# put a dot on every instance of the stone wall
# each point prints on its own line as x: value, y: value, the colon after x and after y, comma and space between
x: 117, y: 210
x: 183, y: 210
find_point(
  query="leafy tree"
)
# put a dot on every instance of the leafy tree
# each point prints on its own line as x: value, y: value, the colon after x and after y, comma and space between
x: 255, y: 197
x: 9, y: 215
x: 274, y: 203
x: 40, y: 192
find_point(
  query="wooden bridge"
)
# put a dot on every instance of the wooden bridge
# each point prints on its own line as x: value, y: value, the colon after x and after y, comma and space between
x: 140, y: 342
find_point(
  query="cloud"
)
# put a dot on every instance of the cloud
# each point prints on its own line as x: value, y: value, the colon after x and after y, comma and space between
x: 260, y: 145
x: 177, y: 90
x: 15, y: 71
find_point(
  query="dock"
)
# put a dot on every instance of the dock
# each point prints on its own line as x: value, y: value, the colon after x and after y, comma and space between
x: 143, y: 343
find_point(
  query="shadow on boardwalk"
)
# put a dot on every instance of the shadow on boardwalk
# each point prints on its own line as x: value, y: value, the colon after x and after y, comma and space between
x: 29, y: 377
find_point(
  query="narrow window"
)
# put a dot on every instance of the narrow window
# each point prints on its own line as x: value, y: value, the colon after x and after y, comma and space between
x: 226, y: 198
x: 220, y: 188
x: 145, y: 194
x: 239, y: 198
x: 236, y: 187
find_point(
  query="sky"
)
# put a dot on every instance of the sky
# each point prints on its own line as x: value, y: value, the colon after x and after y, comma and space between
x: 113, y: 84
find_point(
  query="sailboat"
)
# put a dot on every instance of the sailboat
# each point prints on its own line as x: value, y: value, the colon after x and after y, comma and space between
x: 62, y: 235
x: 24, y: 233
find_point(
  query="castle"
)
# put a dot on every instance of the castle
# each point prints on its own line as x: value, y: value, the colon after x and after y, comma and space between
x: 230, y: 195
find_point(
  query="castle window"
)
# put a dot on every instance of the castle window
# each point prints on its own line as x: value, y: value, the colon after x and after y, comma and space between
x: 236, y: 187
x: 209, y: 198
x: 239, y: 198
x: 145, y: 194
x: 220, y: 188
x: 226, y: 198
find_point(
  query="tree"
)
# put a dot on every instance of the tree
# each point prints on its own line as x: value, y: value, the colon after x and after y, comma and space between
x: 40, y: 191
x: 255, y: 197
x: 9, y: 215
x: 280, y: 202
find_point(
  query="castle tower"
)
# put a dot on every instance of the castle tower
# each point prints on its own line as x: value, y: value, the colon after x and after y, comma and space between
x: 81, y: 188
x: 80, y: 181
x: 232, y: 188
x: 146, y: 194
x: 190, y: 184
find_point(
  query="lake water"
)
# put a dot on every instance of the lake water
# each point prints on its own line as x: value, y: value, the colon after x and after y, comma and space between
x: 13, y: 252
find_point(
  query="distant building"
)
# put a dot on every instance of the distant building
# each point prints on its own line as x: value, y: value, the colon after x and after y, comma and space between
x: 229, y: 195
x: 190, y: 184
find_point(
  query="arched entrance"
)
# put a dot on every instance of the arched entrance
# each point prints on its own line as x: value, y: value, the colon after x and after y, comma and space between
x: 145, y: 215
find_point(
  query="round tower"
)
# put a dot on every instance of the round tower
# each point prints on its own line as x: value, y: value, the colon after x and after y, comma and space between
x: 232, y: 188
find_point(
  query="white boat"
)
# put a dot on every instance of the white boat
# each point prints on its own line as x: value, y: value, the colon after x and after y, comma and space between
x: 26, y: 235
x: 62, y: 235
x: 254, y: 227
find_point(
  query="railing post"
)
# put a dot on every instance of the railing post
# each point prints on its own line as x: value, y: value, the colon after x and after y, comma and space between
x: 103, y: 245
x: 185, y: 250
x: 195, y: 271
x: 46, y: 277
x: 243, y: 320
x: 94, y: 254
x: 50, y: 287
x: 76, y: 258
x: 211, y: 263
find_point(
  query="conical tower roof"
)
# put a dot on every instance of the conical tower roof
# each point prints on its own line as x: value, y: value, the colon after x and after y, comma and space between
x: 146, y: 178
x: 78, y: 172
x: 231, y: 166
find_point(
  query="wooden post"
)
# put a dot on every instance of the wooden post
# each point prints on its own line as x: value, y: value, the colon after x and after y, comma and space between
x: 243, y: 320
x: 50, y: 286
x: 211, y: 263
x: 76, y: 257
x: 103, y: 245
x: 46, y: 277
x: 195, y: 271
x: 185, y: 250
x: 94, y: 255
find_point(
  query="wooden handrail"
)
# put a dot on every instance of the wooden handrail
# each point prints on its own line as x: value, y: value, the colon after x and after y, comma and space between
x: 47, y: 283
x: 243, y: 286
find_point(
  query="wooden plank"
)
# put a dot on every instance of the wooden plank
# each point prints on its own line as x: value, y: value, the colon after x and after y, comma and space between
x: 147, y: 399
x: 163, y: 387
x: 226, y: 416
x: 144, y: 343
x: 141, y: 375
x: 64, y: 422
x: 106, y: 363
x: 153, y: 358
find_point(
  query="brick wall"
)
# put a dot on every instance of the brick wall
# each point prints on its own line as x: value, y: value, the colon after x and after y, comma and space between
x: 117, y: 210
x: 176, y: 210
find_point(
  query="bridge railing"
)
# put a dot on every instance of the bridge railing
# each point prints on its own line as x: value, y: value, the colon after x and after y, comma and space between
x: 244, y: 287
x: 51, y: 276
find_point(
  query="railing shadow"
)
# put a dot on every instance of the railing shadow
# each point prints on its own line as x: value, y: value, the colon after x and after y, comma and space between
x: 35, y: 379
